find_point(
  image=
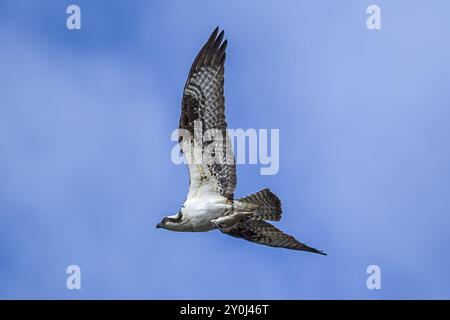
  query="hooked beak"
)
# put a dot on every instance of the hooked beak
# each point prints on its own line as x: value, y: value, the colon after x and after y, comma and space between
x: 159, y: 225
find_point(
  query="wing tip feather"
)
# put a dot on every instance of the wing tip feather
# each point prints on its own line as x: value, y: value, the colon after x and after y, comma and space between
x: 212, y: 52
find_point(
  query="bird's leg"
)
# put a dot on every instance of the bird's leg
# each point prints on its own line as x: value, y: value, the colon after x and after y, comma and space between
x: 221, y: 227
x: 225, y: 223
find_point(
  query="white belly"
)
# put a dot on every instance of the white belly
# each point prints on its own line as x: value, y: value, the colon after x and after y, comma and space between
x: 200, y: 211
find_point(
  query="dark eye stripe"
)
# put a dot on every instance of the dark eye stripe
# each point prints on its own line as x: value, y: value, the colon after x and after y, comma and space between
x: 177, y: 219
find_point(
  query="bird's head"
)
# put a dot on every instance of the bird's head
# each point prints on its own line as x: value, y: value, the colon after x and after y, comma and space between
x: 173, y: 223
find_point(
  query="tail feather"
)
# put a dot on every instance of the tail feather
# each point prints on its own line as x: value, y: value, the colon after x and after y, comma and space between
x: 264, y: 204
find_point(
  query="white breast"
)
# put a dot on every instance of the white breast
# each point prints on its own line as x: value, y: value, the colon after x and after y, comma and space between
x: 200, y: 211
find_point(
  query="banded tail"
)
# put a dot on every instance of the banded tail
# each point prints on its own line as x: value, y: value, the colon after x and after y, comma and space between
x: 264, y: 205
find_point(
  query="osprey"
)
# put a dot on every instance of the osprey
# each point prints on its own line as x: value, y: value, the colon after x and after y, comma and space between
x: 210, y: 202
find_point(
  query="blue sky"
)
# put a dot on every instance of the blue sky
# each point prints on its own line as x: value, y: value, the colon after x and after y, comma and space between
x: 85, y: 168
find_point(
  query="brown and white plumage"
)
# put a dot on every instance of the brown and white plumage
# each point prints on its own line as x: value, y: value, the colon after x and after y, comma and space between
x: 210, y: 203
x: 261, y: 232
x: 204, y: 102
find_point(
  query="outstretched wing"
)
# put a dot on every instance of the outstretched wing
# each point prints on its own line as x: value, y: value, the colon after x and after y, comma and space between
x: 203, y: 112
x: 262, y: 232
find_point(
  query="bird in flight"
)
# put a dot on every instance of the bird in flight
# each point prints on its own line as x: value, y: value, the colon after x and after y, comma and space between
x: 204, y: 142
